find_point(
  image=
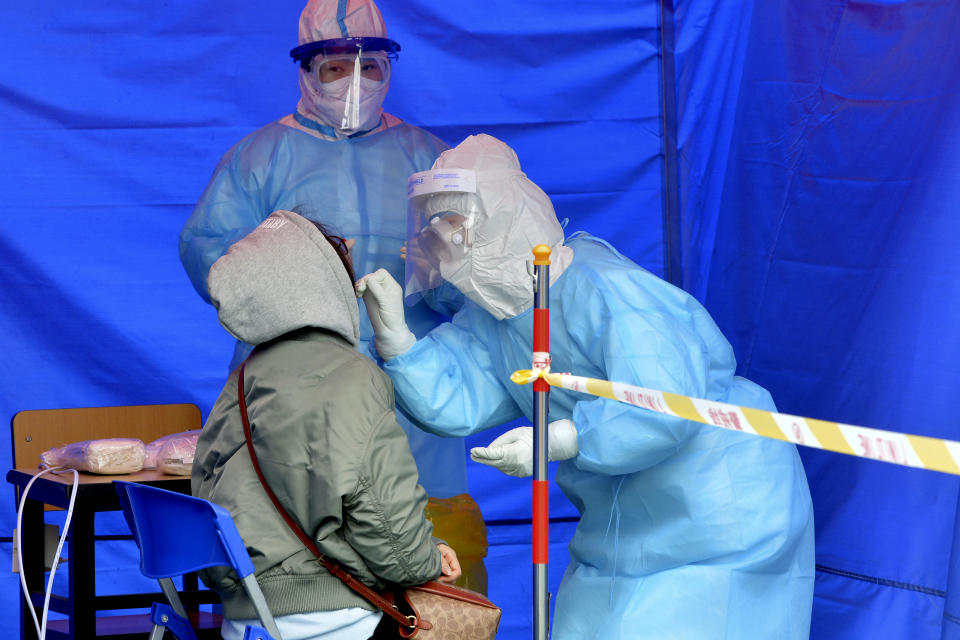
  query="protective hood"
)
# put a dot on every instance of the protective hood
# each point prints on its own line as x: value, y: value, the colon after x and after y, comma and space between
x: 283, y: 276
x: 518, y: 216
x: 329, y: 20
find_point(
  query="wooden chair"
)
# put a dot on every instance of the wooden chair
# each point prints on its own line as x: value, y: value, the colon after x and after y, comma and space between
x: 36, y: 431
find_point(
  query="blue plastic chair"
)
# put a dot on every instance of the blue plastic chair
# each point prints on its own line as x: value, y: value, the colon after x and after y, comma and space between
x: 179, y: 534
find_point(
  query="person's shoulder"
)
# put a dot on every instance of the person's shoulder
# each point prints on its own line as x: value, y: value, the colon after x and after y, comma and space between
x: 325, y: 354
x: 259, y: 142
x: 322, y: 372
x: 271, y: 134
x: 414, y: 136
x: 596, y: 258
x: 600, y: 270
x: 363, y: 382
x: 356, y: 365
x: 362, y: 392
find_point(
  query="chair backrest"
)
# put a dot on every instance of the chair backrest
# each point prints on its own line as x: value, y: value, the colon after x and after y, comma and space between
x: 179, y: 534
x: 35, y: 431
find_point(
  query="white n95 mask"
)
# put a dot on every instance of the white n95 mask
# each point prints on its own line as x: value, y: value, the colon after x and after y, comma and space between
x: 351, y: 104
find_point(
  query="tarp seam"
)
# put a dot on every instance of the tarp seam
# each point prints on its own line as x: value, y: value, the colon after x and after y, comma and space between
x: 797, y: 157
x: 672, y: 239
x: 883, y: 581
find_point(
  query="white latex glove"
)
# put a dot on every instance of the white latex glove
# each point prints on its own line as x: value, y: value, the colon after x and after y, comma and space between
x: 383, y: 297
x: 512, y: 452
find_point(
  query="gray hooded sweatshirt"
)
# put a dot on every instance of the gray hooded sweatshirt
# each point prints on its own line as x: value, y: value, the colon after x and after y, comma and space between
x: 323, y: 429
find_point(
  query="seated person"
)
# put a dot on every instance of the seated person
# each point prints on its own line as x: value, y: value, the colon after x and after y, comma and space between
x: 686, y: 531
x: 326, y: 437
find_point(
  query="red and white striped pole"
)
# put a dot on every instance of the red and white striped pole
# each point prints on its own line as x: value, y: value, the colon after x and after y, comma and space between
x: 541, y: 410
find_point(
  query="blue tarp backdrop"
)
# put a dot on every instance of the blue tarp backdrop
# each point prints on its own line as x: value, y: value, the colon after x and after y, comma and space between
x: 835, y: 275
x: 795, y: 164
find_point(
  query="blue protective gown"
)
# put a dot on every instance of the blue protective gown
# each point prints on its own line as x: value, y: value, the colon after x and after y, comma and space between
x: 687, y: 531
x: 356, y: 187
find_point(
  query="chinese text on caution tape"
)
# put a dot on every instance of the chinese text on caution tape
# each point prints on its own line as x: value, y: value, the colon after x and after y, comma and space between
x: 864, y: 442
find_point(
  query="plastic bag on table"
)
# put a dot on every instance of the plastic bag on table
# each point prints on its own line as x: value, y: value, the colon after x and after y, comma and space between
x: 153, y: 448
x: 175, y: 456
x: 107, y: 456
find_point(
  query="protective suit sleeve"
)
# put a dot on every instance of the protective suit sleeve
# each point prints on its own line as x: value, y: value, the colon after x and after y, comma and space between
x: 385, y: 521
x: 649, y: 339
x: 228, y: 210
x: 445, y: 299
x: 448, y: 383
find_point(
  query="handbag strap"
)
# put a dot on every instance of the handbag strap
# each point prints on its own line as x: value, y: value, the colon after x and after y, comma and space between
x: 348, y: 579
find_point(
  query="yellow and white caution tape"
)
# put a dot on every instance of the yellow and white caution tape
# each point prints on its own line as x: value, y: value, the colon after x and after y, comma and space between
x: 864, y: 442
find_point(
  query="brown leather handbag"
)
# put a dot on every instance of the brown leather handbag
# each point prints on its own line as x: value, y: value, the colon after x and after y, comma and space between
x: 430, y: 611
x: 439, y: 611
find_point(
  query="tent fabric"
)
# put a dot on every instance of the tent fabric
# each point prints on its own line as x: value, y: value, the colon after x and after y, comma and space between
x: 834, y: 274
x: 816, y: 177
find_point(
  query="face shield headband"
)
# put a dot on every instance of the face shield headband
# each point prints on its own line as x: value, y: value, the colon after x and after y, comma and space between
x: 305, y: 53
x: 443, y: 215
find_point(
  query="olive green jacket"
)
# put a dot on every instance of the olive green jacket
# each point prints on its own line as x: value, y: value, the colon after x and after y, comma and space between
x: 331, y: 449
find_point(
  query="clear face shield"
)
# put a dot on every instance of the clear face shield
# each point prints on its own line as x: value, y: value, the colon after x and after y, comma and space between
x: 443, y: 215
x: 351, y: 76
x: 357, y: 82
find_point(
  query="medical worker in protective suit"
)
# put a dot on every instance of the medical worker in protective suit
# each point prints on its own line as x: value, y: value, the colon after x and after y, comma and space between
x: 687, y: 531
x: 341, y: 160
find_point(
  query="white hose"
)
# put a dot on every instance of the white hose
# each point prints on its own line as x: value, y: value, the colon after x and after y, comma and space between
x: 42, y: 627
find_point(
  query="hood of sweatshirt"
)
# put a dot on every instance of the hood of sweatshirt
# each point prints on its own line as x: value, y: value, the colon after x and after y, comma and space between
x: 284, y: 275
